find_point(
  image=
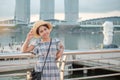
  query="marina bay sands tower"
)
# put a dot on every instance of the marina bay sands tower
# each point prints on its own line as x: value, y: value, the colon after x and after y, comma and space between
x: 47, y: 9
x: 22, y: 11
x: 71, y: 10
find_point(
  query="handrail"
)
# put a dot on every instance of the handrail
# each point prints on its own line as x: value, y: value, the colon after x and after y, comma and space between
x: 91, y: 77
x: 102, y: 51
x: 64, y: 61
x: 74, y: 52
x: 88, y: 59
x: 19, y: 55
x: 29, y: 63
x: 96, y: 67
x: 15, y: 74
x: 92, y: 51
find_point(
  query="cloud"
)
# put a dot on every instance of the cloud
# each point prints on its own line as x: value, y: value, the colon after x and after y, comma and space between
x: 82, y: 16
x: 85, y: 16
x: 35, y: 6
x: 7, y: 7
x: 98, y: 6
x: 59, y: 6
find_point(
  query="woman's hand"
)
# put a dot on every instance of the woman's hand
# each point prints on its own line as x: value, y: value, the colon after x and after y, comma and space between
x: 30, y: 35
x: 60, y: 51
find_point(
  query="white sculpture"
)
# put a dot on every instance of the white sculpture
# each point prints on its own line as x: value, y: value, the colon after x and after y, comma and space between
x: 108, y: 35
x: 108, y: 32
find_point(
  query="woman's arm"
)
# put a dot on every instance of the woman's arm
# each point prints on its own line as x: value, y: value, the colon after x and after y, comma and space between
x: 60, y: 51
x: 26, y: 47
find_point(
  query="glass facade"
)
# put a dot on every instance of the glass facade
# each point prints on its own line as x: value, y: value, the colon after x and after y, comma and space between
x: 22, y: 11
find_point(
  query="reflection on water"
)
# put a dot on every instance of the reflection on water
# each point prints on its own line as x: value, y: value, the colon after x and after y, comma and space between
x: 13, y: 35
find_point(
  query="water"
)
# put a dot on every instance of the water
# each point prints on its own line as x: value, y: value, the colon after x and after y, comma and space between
x: 93, y: 72
x: 83, y: 39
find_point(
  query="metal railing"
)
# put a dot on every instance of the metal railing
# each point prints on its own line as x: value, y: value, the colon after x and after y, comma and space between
x: 88, y: 58
x: 92, y: 59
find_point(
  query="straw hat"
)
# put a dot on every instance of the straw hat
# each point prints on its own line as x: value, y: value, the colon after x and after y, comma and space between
x: 38, y: 24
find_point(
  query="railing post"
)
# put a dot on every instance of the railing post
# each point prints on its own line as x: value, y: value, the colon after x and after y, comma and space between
x: 62, y: 67
x: 28, y: 77
x: 85, y: 71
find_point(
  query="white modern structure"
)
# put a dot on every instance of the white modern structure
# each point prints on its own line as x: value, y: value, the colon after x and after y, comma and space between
x: 22, y: 11
x: 47, y: 9
x: 71, y: 10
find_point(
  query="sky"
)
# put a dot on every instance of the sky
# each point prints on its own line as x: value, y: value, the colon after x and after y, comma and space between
x: 88, y: 9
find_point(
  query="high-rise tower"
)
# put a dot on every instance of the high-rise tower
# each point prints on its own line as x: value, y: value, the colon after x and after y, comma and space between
x: 71, y: 10
x: 22, y: 11
x: 47, y: 9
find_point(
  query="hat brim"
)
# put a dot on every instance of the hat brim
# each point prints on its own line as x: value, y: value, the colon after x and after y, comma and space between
x: 38, y: 24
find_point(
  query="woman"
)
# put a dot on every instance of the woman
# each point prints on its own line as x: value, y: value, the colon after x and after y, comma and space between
x: 41, y: 31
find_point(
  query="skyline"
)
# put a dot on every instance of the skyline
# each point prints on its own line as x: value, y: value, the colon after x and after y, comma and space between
x: 87, y: 10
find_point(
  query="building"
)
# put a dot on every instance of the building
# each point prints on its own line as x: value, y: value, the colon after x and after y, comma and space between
x: 71, y: 10
x: 47, y: 9
x: 22, y: 11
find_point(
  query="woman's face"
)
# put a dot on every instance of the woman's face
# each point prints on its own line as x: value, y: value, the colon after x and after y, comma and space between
x: 44, y: 32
